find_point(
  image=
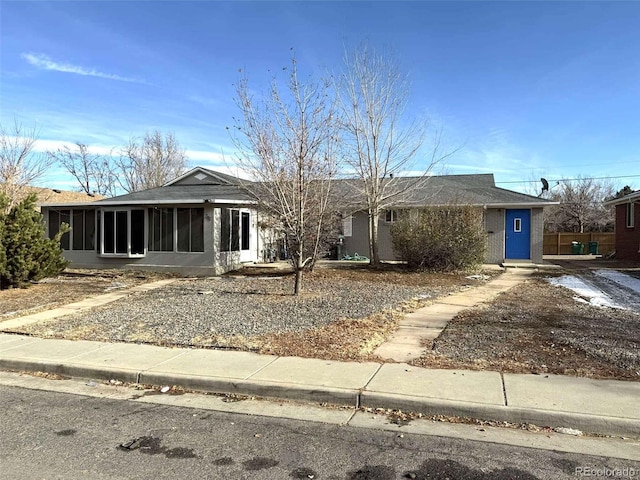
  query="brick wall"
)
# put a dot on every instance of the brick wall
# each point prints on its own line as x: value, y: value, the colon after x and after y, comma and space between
x: 627, y: 239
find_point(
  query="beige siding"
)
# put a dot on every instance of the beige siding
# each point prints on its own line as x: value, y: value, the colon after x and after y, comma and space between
x: 537, y: 235
x: 494, y: 224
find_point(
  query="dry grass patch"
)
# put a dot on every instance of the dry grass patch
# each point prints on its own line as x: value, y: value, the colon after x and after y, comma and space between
x: 539, y: 328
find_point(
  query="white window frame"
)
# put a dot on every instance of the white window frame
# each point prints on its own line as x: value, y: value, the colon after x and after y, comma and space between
x: 128, y: 253
x: 391, y: 216
x: 347, y: 226
x: 630, y: 214
x: 517, y: 225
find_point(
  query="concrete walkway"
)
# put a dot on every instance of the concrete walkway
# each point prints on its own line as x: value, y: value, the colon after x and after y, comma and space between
x: 85, y: 304
x: 600, y: 406
x: 425, y: 324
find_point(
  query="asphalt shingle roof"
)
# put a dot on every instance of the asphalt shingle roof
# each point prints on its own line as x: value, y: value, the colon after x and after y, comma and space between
x: 186, y: 193
x: 445, y: 190
x: 436, y: 190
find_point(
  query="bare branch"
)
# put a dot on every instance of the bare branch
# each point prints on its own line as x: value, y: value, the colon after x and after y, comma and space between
x: 91, y: 170
x: 20, y: 165
x: 288, y: 144
x: 382, y: 145
x: 149, y: 162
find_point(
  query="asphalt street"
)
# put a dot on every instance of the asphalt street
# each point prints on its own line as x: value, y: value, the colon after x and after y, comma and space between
x: 52, y: 435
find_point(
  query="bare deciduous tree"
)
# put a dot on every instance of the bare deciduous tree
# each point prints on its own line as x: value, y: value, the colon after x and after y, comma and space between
x: 581, y: 207
x: 20, y: 164
x: 149, y: 162
x: 373, y: 98
x: 91, y: 170
x: 288, y: 144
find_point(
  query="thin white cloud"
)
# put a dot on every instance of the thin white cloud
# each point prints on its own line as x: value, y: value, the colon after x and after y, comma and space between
x: 43, y: 62
x: 205, y: 156
x: 52, y: 145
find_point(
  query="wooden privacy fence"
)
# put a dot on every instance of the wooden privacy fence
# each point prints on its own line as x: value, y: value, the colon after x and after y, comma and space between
x: 560, y: 243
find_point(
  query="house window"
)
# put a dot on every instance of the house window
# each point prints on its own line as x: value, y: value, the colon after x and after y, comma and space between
x: 161, y: 229
x: 122, y: 232
x: 190, y: 229
x: 517, y: 225
x: 235, y: 228
x: 246, y: 221
x: 56, y: 219
x: 83, y: 228
x: 347, y: 226
x: 630, y: 215
x: 391, y: 216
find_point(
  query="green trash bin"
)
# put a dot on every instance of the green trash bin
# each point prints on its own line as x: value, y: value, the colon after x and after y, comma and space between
x: 577, y: 248
x: 593, y: 248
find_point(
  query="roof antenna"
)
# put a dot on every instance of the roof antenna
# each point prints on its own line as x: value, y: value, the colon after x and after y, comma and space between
x: 545, y: 186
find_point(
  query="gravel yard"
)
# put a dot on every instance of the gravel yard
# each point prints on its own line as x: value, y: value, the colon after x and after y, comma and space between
x: 248, y: 311
x: 344, y: 314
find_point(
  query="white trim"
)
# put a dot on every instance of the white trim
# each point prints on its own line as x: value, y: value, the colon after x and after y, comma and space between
x: 634, y: 196
x: 390, y: 215
x: 629, y: 214
x: 347, y: 226
x: 208, y: 173
x: 221, y: 201
x: 127, y: 254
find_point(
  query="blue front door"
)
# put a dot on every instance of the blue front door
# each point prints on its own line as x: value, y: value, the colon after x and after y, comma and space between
x: 518, y: 235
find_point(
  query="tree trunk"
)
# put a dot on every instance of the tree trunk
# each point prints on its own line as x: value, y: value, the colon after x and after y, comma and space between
x: 299, y: 267
x: 298, y: 285
x: 374, y: 254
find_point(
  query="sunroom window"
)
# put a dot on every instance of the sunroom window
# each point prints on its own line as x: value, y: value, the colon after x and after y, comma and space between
x: 161, y: 229
x: 122, y: 232
x: 83, y: 228
x: 190, y: 229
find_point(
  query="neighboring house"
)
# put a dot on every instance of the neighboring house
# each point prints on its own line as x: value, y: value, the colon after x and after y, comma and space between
x: 513, y: 220
x: 200, y: 223
x: 627, y: 226
x: 49, y: 195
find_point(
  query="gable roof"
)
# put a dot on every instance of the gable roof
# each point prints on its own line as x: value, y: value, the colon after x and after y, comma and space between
x: 474, y: 189
x: 198, y: 185
x: 206, y: 176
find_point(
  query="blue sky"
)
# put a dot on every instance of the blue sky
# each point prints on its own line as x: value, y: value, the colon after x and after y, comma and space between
x: 528, y: 89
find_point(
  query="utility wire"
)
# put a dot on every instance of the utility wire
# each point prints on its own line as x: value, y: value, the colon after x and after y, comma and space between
x: 573, y: 179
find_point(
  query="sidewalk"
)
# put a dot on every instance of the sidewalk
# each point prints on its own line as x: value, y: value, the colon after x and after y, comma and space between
x: 600, y: 406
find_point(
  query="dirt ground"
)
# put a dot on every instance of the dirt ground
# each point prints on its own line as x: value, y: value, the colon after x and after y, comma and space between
x: 540, y: 328
x: 533, y: 328
x: 71, y: 286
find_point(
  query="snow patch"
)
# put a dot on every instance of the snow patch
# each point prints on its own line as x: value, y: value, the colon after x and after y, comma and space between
x: 621, y: 279
x: 594, y: 295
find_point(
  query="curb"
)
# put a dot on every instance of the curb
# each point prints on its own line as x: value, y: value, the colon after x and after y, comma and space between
x: 545, y: 418
x: 335, y: 396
